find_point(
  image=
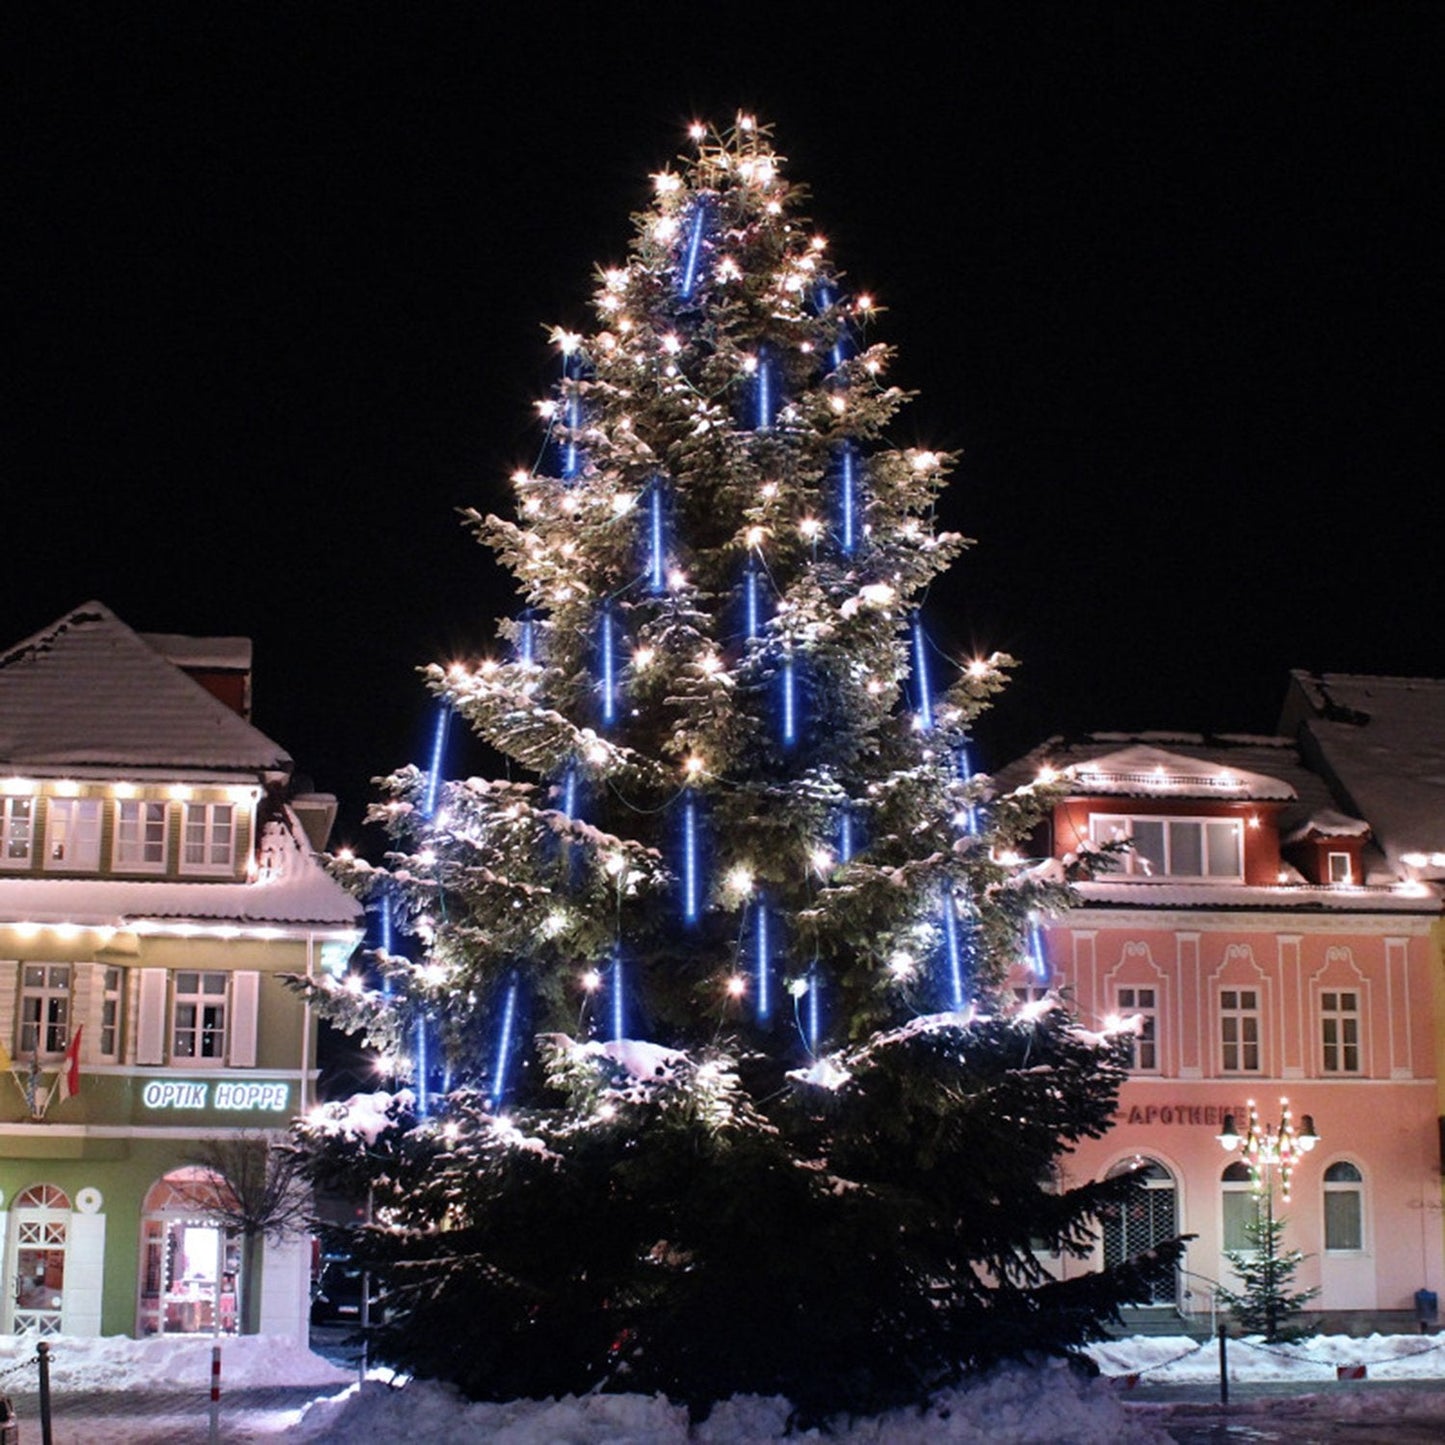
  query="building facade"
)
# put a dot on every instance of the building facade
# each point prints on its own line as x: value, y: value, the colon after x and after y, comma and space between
x: 157, y: 877
x: 1235, y: 930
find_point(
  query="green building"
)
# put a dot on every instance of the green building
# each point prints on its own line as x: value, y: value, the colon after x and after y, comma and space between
x: 157, y: 875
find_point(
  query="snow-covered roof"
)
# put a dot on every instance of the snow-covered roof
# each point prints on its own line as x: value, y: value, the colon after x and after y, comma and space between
x: 88, y: 692
x: 1328, y: 824
x: 1233, y: 897
x: 220, y: 654
x: 1142, y: 770
x: 291, y: 889
x: 1382, y: 739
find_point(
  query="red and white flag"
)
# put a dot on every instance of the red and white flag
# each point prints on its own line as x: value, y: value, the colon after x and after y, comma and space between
x: 67, y: 1086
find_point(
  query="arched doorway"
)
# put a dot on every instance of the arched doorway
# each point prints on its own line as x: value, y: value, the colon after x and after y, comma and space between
x: 1150, y: 1218
x: 39, y: 1233
x: 190, y: 1266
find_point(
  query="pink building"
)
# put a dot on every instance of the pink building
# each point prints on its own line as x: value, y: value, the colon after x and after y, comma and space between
x: 1238, y: 927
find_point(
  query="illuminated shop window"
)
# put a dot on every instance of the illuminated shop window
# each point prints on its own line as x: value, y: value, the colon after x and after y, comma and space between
x: 1239, y: 1203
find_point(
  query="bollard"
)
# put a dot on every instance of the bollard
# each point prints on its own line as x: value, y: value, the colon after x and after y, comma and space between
x: 215, y: 1394
x: 1223, y: 1368
x: 42, y: 1358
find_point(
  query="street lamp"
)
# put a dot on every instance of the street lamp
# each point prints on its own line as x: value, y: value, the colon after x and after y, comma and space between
x: 1270, y: 1150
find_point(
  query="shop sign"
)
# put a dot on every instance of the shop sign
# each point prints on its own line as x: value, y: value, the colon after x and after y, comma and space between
x: 1210, y: 1114
x: 188, y: 1094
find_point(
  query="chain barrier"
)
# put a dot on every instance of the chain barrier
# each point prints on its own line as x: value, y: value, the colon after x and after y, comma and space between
x: 1285, y: 1352
x: 1135, y: 1375
x: 15, y: 1369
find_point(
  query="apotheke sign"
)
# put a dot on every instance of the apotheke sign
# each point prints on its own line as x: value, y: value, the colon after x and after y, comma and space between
x: 187, y: 1094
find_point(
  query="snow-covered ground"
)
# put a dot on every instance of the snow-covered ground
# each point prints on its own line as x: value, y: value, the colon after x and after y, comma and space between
x: 1014, y: 1406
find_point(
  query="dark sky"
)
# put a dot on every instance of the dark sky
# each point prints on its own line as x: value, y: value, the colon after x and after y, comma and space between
x: 1168, y: 276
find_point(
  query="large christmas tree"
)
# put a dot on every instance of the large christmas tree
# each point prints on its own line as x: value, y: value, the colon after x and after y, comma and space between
x: 708, y: 1077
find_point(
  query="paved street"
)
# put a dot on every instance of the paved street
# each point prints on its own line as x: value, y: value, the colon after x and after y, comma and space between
x: 164, y: 1417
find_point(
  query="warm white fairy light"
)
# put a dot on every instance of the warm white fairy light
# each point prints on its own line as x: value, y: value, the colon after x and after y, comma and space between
x: 821, y: 860
x: 769, y: 491
x: 671, y: 344
x: 709, y: 664
x: 597, y: 754
x: 566, y: 341
x: 697, y: 130
x: 664, y: 228
x: 729, y: 270
x: 693, y: 766
x: 1046, y: 775
x: 798, y: 987
x: 865, y: 302
x: 623, y: 503
x: 774, y: 208
x: 666, y: 182
x: 644, y: 657
x: 754, y: 537
x: 750, y: 365
x: 737, y: 986
x: 978, y: 668
x: 345, y: 855
x: 746, y: 122
x: 872, y: 366
x: 676, y: 579
x: 810, y: 527
x: 591, y: 980
x: 546, y: 409
x: 738, y: 880
x: 839, y: 405
x: 901, y: 964
x: 614, y: 863
x: 924, y: 461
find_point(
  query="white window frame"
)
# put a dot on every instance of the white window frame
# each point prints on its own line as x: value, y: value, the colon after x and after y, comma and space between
x: 204, y: 819
x: 1114, y: 827
x: 17, y: 830
x: 1355, y: 1187
x: 198, y: 1027
x: 1235, y: 1016
x: 74, y: 826
x: 1129, y: 1000
x: 110, y: 1016
x: 141, y: 842
x: 1341, y: 1020
x: 47, y: 1034
x: 1337, y: 874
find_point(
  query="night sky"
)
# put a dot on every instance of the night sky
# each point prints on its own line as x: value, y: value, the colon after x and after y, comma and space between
x: 1168, y: 277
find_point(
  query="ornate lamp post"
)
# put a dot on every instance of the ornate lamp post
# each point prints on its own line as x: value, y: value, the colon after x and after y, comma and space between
x: 1270, y: 1151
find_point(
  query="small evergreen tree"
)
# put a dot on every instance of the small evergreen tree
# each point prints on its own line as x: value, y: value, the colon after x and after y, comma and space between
x: 715, y: 1083
x: 1267, y: 1301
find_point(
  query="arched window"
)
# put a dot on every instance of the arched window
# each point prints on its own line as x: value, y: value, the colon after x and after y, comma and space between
x: 1344, y: 1188
x: 1149, y: 1219
x: 1239, y: 1202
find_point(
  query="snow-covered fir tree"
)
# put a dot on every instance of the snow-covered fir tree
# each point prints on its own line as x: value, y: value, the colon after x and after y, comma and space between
x: 706, y: 1077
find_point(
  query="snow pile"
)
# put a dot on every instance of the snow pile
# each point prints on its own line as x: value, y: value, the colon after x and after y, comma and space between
x: 1179, y: 1360
x: 1014, y: 1406
x: 175, y: 1362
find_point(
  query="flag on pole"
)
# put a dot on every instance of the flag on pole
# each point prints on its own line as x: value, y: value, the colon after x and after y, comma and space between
x: 67, y: 1086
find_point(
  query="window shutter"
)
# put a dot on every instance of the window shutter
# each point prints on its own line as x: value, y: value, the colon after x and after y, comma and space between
x: 245, y: 997
x: 150, y: 1041
x: 9, y: 976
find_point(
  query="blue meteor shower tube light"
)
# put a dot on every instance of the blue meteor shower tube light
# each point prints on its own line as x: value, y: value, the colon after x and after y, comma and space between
x: 920, y: 669
x: 761, y: 961
x: 619, y: 1015
x: 657, y: 560
x: 688, y: 281
x: 504, y: 1043
x: 953, y: 951
x: 690, y: 878
x: 438, y: 751
x: 609, y: 668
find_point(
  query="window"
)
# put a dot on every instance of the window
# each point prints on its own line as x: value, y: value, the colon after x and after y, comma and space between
x: 140, y: 836
x: 110, y: 994
x: 1210, y: 848
x: 1344, y: 1207
x: 1340, y: 1031
x: 1239, y: 1030
x: 1029, y: 993
x: 1143, y: 1046
x: 44, y: 1009
x: 1339, y: 868
x: 1240, y: 1205
x: 198, y: 1017
x: 16, y: 819
x: 210, y: 845
x: 72, y: 833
